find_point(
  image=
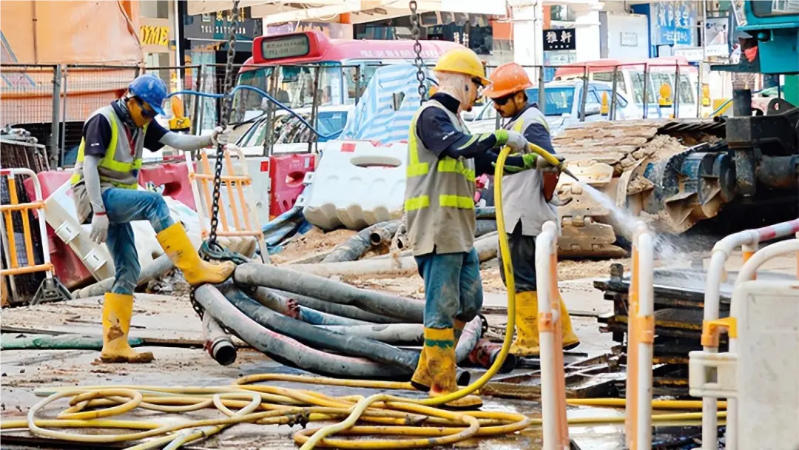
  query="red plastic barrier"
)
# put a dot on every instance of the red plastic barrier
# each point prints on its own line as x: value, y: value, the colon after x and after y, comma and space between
x: 174, y: 178
x: 69, y: 268
x: 286, y: 173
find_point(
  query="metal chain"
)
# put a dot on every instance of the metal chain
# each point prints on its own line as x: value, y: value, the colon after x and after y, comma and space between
x: 223, y: 120
x: 417, y: 48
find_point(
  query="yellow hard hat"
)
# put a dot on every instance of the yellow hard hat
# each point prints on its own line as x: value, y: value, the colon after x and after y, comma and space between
x: 465, y: 61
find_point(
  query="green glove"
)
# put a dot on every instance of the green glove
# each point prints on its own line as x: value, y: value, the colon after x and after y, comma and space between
x: 529, y: 163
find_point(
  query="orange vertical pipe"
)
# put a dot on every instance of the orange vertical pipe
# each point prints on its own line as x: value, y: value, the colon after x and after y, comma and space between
x: 558, y: 349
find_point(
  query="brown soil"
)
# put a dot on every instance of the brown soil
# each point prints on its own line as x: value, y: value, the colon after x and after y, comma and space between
x: 663, y: 147
x: 314, y: 241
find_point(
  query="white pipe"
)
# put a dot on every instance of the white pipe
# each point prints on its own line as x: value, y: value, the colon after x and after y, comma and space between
x: 549, y: 416
x: 747, y: 273
x: 646, y: 308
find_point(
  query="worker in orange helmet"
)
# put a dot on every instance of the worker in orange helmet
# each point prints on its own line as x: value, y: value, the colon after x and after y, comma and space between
x: 527, y: 192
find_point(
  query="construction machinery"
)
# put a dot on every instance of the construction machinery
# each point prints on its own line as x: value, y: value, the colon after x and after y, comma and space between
x: 677, y: 173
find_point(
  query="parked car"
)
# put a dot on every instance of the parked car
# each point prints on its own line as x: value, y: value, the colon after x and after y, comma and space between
x: 289, y: 134
x: 562, y: 106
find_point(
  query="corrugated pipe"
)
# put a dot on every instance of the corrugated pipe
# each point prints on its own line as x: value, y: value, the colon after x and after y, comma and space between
x: 285, y: 350
x: 218, y: 343
x: 342, y: 311
x: 356, y: 246
x: 291, y: 308
x: 261, y: 275
x: 319, y: 338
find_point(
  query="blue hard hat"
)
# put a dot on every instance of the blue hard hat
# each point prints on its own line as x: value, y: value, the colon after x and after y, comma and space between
x: 150, y: 89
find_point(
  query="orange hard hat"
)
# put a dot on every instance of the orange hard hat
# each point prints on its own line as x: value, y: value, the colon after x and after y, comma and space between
x: 507, y: 79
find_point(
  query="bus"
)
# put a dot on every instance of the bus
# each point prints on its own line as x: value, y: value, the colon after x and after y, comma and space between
x: 342, y: 60
x: 630, y: 81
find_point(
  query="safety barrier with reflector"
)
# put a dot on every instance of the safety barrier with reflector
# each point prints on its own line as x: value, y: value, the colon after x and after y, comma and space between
x: 232, y: 189
x: 287, y: 175
x: 641, y: 337
x: 50, y: 289
x: 708, y: 361
x: 553, y: 378
x: 173, y: 177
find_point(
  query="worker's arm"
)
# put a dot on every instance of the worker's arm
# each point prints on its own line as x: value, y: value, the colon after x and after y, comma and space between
x: 486, y: 163
x: 96, y: 138
x: 440, y: 136
x: 157, y: 137
x: 538, y: 134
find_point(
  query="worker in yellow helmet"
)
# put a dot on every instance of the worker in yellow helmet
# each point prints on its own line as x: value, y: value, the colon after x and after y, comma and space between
x: 443, y: 159
x: 105, y: 190
x: 526, y: 196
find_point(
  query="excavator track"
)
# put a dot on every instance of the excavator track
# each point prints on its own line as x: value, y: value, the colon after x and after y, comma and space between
x: 639, y: 165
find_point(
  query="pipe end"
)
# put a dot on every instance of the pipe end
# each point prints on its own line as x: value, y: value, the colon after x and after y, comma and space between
x: 224, y: 352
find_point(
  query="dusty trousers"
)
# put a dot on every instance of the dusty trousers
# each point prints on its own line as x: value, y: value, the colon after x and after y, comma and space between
x: 453, y: 288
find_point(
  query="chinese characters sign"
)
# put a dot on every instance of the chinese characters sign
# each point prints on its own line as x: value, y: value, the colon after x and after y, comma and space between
x: 560, y: 39
x: 673, y: 23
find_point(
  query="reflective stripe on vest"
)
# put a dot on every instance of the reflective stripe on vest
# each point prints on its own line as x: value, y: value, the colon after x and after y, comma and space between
x: 445, y: 165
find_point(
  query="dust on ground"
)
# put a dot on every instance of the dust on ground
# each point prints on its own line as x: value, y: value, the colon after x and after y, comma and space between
x: 567, y: 270
x: 314, y: 241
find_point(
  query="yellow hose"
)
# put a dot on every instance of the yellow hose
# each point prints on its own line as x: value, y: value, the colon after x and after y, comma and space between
x: 396, y: 416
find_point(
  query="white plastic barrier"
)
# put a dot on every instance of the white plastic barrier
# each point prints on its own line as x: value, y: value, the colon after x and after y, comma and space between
x: 758, y: 374
x: 553, y: 379
x: 357, y: 184
x: 63, y: 217
x: 640, y: 339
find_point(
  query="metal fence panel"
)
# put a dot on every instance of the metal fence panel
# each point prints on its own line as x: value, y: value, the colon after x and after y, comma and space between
x: 29, y: 100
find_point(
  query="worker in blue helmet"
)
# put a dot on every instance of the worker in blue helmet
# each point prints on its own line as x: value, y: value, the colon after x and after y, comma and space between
x: 105, y: 188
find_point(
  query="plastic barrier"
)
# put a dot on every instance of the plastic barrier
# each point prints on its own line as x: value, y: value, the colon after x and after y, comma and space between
x: 641, y: 337
x: 50, y: 289
x: 758, y: 374
x: 173, y: 177
x: 553, y: 378
x: 69, y: 268
x: 711, y: 322
x: 287, y: 175
x: 356, y: 184
x: 233, y: 184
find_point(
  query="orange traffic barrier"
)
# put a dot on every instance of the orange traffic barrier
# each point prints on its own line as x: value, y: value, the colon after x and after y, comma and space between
x: 245, y: 222
x: 50, y: 289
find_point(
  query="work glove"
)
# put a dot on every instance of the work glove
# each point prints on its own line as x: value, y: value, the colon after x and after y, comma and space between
x: 517, y: 142
x: 220, y: 136
x: 99, y: 231
x: 543, y: 164
x: 529, y: 159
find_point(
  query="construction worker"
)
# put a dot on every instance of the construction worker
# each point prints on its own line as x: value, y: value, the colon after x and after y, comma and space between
x: 105, y: 186
x: 526, y: 196
x: 443, y: 159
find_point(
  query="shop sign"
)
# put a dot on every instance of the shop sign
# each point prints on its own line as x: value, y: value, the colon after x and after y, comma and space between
x: 216, y: 26
x: 560, y: 39
x: 673, y: 23
x: 154, y: 35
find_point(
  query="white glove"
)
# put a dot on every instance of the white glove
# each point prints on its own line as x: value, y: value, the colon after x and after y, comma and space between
x: 517, y: 142
x: 543, y: 164
x: 220, y: 136
x: 99, y: 228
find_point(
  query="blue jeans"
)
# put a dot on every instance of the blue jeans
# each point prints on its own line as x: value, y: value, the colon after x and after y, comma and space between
x: 122, y: 207
x: 453, y: 288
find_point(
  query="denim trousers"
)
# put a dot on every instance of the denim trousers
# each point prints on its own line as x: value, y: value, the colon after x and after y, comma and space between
x: 123, y: 206
x: 453, y: 288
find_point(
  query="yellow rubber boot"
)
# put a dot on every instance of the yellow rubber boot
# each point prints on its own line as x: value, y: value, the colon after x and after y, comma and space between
x: 177, y: 245
x: 437, y: 368
x: 526, y: 342
x: 459, y: 326
x: 117, y: 312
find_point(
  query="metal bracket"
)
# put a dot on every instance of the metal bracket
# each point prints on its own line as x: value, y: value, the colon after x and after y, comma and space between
x: 51, y: 290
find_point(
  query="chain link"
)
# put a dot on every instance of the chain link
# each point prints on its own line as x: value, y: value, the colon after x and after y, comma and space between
x: 223, y: 120
x: 417, y: 48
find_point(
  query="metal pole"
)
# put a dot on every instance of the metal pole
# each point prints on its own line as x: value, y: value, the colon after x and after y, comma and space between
x: 677, y: 91
x: 646, y: 90
x: 64, y: 115
x: 613, y: 93
x: 357, y: 84
x: 542, y: 98
x: 584, y: 96
x: 704, y: 58
x: 315, y: 107
x: 196, y: 101
x: 55, y: 152
x: 700, y: 89
x: 270, y: 112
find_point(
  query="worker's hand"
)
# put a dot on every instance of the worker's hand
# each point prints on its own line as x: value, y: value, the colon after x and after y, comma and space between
x: 99, y: 227
x: 517, y: 142
x: 529, y: 163
x: 543, y: 164
x: 220, y: 136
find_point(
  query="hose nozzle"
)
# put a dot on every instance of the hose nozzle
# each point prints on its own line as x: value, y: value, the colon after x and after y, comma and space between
x: 552, y: 160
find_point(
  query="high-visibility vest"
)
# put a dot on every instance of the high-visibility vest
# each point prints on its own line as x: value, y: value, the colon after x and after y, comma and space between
x: 522, y: 193
x: 439, y: 194
x: 121, y: 163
